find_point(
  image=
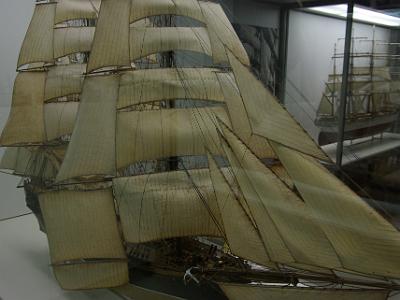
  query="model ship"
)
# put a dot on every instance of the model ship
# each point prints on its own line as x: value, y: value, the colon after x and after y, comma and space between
x: 160, y: 167
x: 372, y: 100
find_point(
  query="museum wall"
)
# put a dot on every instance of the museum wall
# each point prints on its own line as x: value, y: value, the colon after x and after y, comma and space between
x: 310, y: 49
x: 16, y: 14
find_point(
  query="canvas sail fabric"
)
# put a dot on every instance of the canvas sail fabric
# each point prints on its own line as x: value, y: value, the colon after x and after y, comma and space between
x: 82, y: 226
x: 111, y: 40
x: 92, y: 147
x: 280, y: 215
x: 149, y: 40
x: 132, y: 291
x: 25, y: 123
x: 38, y: 42
x: 222, y: 35
x: 365, y: 241
x: 156, y: 134
x: 71, y: 40
x: 76, y: 9
x: 267, y: 117
x: 242, y: 237
x: 64, y: 80
x: 325, y: 107
x: 116, y: 45
x: 383, y: 72
x: 237, y: 112
x: 167, y: 205
x: 33, y: 162
x: 152, y: 85
x: 59, y: 119
x: 188, y: 8
x: 257, y: 292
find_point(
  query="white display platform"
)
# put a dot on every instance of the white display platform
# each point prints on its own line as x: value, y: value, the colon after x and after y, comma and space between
x: 24, y: 265
x: 363, y: 148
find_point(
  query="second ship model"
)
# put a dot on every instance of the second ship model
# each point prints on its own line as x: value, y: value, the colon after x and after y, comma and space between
x: 373, y: 95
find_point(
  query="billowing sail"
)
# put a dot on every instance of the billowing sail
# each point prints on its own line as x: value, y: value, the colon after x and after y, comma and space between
x: 89, y: 258
x: 64, y: 80
x: 34, y: 122
x: 325, y: 107
x: 28, y: 162
x: 38, y: 42
x: 222, y: 35
x: 76, y: 9
x: 364, y: 241
x: 166, y: 205
x: 59, y: 119
x: 111, y: 40
x: 144, y: 9
x: 267, y: 117
x: 257, y: 292
x: 136, y: 292
x: 92, y: 147
x: 71, y: 40
x: 152, y: 85
x: 242, y: 237
x: 149, y: 40
x: 25, y: 122
x: 279, y: 214
x: 165, y: 133
x: 237, y: 112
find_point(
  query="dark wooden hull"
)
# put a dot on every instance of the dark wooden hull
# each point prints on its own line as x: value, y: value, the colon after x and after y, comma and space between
x: 354, y: 128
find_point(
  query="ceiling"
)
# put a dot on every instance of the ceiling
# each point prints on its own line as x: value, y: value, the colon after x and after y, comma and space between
x: 376, y: 4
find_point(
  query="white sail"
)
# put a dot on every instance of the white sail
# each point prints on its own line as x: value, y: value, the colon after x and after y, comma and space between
x: 65, y: 213
x: 38, y: 42
x: 148, y: 135
x: 267, y: 117
x: 152, y: 85
x: 242, y: 237
x: 325, y: 107
x: 64, y: 80
x: 289, y: 220
x: 364, y: 241
x: 59, y: 119
x: 237, y: 112
x: 92, y: 147
x: 188, y: 8
x: 111, y: 40
x: 71, y: 40
x: 258, y: 292
x: 222, y: 35
x: 25, y: 123
x: 136, y: 292
x: 76, y: 9
x: 149, y: 40
x: 167, y: 205
x: 24, y: 162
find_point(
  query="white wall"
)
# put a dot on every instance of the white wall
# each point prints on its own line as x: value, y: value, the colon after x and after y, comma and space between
x: 14, y: 20
x: 310, y: 48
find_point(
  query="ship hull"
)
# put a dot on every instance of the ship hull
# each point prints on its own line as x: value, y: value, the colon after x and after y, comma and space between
x: 354, y: 128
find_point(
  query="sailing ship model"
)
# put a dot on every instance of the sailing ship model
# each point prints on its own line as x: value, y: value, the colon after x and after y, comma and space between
x: 160, y: 167
x: 371, y: 101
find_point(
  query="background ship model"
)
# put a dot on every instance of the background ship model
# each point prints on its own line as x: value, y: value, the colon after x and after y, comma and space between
x: 159, y: 166
x: 373, y: 97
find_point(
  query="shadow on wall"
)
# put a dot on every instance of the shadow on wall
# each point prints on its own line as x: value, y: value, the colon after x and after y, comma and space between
x: 262, y: 46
